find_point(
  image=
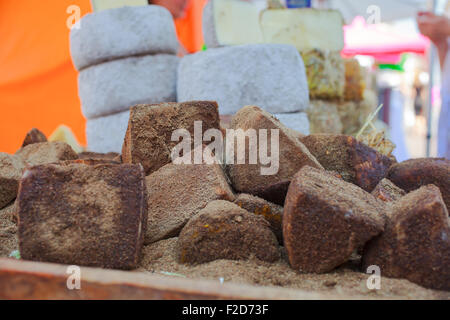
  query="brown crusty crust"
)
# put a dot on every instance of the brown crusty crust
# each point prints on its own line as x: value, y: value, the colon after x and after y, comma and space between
x: 326, y: 219
x: 275, y: 193
x: 387, y: 191
x: 148, y: 137
x: 10, y: 211
x: 293, y: 155
x: 272, y: 212
x: 355, y: 161
x: 34, y: 136
x: 98, y: 156
x: 90, y: 215
x: 416, y: 242
x: 89, y: 162
x: 223, y: 230
x: 46, y: 152
x: 11, y: 168
x: 415, y: 173
x: 176, y: 192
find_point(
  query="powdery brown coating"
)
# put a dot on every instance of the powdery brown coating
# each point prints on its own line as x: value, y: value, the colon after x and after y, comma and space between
x: 34, y: 136
x: 99, y: 156
x: 325, y: 219
x: 150, y: 128
x: 416, y: 242
x: 8, y: 231
x: 89, y: 162
x: 415, y: 173
x: 11, y: 168
x: 387, y: 191
x: 10, y: 212
x: 46, y: 152
x: 272, y: 212
x: 293, y: 155
x: 345, y: 282
x: 223, y: 230
x: 177, y: 192
x: 90, y: 215
x: 275, y: 193
x: 356, y: 162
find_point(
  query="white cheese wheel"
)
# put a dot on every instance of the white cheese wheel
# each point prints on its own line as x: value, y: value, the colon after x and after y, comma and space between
x: 122, y: 32
x: 106, y: 134
x: 266, y: 75
x: 117, y: 85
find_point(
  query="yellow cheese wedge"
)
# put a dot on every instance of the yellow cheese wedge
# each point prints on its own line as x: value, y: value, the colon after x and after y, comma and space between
x: 64, y: 133
x: 237, y: 22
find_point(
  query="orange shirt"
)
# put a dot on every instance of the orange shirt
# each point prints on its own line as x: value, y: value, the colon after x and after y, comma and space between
x: 189, y: 28
x: 38, y: 83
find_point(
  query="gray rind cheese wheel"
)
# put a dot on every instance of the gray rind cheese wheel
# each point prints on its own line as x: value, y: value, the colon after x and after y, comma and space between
x: 106, y: 134
x: 117, y: 85
x: 270, y: 76
x: 297, y: 121
x: 122, y: 32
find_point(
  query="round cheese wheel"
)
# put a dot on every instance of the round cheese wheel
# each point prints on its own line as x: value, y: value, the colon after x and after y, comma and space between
x: 122, y: 32
x: 117, y: 85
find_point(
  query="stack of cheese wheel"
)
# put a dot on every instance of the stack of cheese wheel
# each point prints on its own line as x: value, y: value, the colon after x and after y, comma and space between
x: 125, y: 56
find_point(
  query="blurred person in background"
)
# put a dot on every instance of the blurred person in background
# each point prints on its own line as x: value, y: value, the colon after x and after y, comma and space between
x: 176, y: 7
x: 437, y: 28
x: 418, y: 100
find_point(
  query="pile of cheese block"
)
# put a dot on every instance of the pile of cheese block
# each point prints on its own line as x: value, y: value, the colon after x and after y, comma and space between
x: 339, y: 102
x: 331, y: 199
x: 124, y: 56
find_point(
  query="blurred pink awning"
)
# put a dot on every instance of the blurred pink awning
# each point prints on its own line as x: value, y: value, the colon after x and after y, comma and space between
x: 380, y: 41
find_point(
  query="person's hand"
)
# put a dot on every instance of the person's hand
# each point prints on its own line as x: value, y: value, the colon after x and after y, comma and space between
x: 437, y: 28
